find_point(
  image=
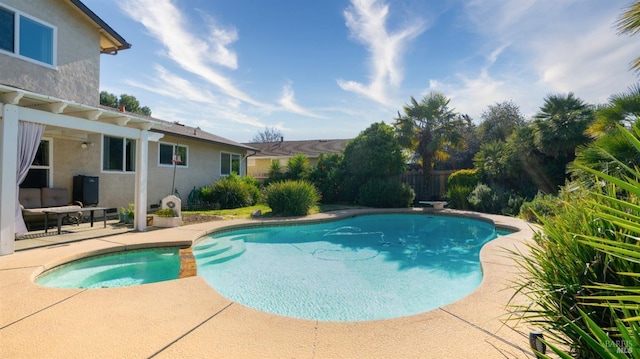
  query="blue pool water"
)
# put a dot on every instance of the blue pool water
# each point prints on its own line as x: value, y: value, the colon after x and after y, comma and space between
x: 120, y: 269
x: 361, y: 268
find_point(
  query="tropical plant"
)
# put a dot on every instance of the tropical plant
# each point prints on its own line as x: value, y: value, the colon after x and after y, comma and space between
x: 629, y: 23
x: 297, y: 167
x: 623, y: 110
x: 559, y: 128
x: 582, y: 272
x: 429, y: 128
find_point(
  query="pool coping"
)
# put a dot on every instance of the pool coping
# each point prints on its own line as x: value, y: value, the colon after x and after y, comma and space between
x: 186, y: 317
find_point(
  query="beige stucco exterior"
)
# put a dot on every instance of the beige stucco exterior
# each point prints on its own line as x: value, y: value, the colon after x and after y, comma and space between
x: 116, y: 189
x: 76, y: 75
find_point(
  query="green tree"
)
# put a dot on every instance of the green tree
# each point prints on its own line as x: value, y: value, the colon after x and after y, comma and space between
x: 429, y: 128
x: 622, y: 111
x: 130, y: 102
x: 374, y: 153
x: 629, y: 23
x: 328, y: 176
x: 559, y: 128
x: 461, y: 157
x: 499, y: 121
x: 108, y: 99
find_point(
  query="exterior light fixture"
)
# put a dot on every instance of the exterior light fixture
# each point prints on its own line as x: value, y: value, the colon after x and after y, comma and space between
x: 535, y: 341
x: 84, y: 145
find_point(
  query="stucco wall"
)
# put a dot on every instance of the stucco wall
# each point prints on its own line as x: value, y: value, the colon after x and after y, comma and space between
x: 77, y: 74
x: 117, y: 189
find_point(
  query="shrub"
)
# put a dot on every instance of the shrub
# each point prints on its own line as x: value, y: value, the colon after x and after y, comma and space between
x: 165, y: 212
x: 495, y: 200
x: 253, y: 186
x: 326, y: 176
x: 233, y: 192
x: 385, y: 193
x: 541, y: 206
x: 466, y: 178
x: 291, y: 198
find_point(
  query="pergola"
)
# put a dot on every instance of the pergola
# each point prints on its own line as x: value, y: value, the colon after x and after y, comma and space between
x: 71, y: 119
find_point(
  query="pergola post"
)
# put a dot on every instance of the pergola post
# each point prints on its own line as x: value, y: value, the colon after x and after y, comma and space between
x: 8, y: 166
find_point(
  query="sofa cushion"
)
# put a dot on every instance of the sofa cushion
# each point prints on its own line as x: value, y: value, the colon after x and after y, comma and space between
x: 30, y: 197
x: 54, y: 197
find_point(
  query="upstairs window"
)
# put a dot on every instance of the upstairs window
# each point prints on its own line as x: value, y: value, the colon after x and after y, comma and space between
x: 26, y: 37
x: 170, y: 154
x: 118, y: 154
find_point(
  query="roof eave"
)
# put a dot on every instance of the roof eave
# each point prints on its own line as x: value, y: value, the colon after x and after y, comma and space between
x: 118, y: 42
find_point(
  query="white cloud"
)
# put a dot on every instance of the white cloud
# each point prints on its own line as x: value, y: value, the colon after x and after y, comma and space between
x: 288, y: 102
x: 554, y: 46
x: 367, y: 22
x: 166, y: 23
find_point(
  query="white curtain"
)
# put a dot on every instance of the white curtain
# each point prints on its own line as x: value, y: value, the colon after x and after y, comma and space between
x: 29, y: 136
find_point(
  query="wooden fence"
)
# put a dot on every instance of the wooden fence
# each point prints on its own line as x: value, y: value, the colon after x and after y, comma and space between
x: 437, y: 188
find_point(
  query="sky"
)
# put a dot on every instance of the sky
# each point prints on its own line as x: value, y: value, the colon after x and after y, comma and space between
x: 329, y: 69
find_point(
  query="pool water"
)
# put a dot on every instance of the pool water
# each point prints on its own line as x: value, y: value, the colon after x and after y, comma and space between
x: 120, y: 269
x: 362, y: 268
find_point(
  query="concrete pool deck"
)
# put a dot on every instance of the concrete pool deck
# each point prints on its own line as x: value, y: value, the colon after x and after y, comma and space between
x: 186, y: 318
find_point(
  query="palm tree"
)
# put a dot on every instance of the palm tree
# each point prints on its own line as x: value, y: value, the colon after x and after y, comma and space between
x: 558, y: 129
x: 629, y: 23
x: 427, y: 128
x: 622, y: 111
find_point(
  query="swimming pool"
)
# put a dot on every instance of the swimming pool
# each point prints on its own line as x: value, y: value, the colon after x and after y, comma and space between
x: 120, y: 269
x: 361, y: 268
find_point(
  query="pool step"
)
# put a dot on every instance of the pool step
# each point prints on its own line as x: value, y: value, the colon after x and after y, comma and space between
x: 236, y: 250
x: 220, y: 249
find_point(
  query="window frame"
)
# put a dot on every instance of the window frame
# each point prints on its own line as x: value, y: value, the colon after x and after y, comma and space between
x: 231, y: 156
x: 125, y: 156
x: 17, y: 52
x: 173, y: 150
x: 48, y: 166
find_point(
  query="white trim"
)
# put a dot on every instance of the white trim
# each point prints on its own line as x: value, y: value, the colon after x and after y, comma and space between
x: 231, y: 163
x: 17, y: 33
x: 50, y: 166
x: 124, y: 155
x: 173, y: 145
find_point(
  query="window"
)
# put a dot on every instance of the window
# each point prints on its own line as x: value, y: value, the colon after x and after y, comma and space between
x: 40, y: 171
x: 118, y: 154
x: 229, y: 163
x: 167, y: 152
x: 27, y: 37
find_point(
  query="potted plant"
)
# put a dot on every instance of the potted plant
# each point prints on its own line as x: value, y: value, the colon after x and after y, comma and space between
x: 166, y: 217
x: 125, y: 215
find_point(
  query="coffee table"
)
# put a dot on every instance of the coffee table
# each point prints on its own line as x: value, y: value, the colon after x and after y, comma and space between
x: 60, y: 212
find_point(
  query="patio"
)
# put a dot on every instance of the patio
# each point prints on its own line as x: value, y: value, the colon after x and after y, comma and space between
x: 188, y: 318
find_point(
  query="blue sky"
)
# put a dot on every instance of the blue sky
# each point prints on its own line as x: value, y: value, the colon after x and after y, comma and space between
x: 328, y: 69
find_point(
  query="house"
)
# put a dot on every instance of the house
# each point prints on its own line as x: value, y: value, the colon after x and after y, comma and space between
x: 204, y: 158
x: 281, y: 151
x: 49, y: 108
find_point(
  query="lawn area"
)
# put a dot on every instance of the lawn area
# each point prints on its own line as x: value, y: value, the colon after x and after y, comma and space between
x: 190, y: 217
